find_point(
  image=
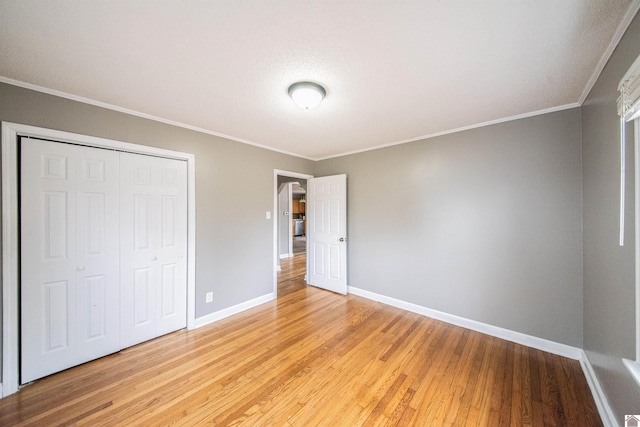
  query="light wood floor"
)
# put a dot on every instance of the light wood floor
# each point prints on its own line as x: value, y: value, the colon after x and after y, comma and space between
x: 314, y: 358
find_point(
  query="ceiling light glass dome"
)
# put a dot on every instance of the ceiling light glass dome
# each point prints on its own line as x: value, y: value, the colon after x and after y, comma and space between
x: 307, y: 94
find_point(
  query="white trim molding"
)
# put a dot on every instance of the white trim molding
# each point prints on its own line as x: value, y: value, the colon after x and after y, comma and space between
x: 9, y: 260
x: 602, y: 403
x: 459, y: 129
x: 634, y: 368
x: 112, y: 107
x: 634, y: 365
x: 606, y: 55
x: 136, y: 113
x: 10, y: 232
x: 230, y: 311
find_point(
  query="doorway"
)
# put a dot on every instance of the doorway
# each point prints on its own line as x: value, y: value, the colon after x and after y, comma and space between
x: 290, y: 240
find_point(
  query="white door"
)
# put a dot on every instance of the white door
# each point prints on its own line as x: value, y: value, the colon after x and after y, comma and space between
x: 154, y: 247
x: 327, y: 232
x: 69, y: 256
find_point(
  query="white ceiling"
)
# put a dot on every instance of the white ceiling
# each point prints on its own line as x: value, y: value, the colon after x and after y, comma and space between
x: 393, y: 70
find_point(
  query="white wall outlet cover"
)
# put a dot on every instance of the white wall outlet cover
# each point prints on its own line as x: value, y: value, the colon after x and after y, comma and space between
x: 209, y: 297
x: 268, y: 215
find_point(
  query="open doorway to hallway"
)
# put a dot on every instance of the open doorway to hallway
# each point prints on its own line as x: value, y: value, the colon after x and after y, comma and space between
x: 290, y: 230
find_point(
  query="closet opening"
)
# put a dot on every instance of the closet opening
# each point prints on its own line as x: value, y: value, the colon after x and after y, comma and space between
x: 87, y: 197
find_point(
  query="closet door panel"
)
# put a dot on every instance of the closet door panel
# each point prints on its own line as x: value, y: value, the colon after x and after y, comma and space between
x: 95, y: 292
x: 69, y: 256
x: 56, y: 319
x: 153, y: 251
x: 98, y: 248
x: 142, y: 304
x: 172, y: 253
x: 137, y: 254
x: 170, y: 289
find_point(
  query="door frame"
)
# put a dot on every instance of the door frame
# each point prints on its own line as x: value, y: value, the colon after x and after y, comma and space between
x: 276, y: 255
x: 11, y: 232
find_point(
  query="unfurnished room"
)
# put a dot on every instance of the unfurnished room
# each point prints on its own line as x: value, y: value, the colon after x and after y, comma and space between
x: 320, y: 213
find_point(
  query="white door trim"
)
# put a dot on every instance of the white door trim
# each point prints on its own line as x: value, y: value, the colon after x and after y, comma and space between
x: 274, y: 217
x: 10, y: 232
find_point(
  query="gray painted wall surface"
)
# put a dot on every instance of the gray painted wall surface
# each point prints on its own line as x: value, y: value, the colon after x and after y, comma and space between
x: 484, y: 224
x: 284, y: 213
x: 609, y: 289
x: 234, y: 240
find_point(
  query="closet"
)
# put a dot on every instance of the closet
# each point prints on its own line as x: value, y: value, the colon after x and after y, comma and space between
x: 103, y: 252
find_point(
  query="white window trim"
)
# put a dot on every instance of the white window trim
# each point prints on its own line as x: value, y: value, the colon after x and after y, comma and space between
x: 634, y: 365
x: 10, y: 235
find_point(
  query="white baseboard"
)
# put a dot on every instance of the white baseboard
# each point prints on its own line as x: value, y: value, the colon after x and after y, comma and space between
x: 496, y: 331
x: 230, y: 311
x: 604, y: 409
x: 634, y: 369
x: 285, y: 256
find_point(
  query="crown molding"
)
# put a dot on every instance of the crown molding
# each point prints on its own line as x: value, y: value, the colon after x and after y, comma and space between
x: 460, y: 129
x: 112, y: 107
x: 617, y: 36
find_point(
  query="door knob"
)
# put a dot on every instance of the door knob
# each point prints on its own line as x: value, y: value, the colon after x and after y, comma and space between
x: 154, y: 258
x: 342, y: 239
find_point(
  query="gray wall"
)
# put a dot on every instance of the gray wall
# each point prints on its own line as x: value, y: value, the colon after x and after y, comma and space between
x: 609, y: 290
x: 284, y: 213
x: 484, y: 224
x: 234, y: 240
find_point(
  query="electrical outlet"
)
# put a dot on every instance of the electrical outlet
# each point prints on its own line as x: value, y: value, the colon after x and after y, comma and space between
x: 209, y: 297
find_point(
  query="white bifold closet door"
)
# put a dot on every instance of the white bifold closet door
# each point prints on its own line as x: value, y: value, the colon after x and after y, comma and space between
x: 70, y: 255
x: 153, y: 247
x: 103, y: 253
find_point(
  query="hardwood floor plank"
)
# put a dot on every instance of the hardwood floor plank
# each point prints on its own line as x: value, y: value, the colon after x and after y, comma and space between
x: 525, y: 386
x: 376, y: 384
x: 507, y: 386
x: 432, y: 397
x: 498, y: 365
x: 471, y: 374
x: 567, y: 394
x: 552, y: 405
x: 366, y: 353
x: 314, y: 358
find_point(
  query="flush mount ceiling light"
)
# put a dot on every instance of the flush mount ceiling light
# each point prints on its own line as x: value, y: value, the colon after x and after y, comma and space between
x: 307, y: 94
